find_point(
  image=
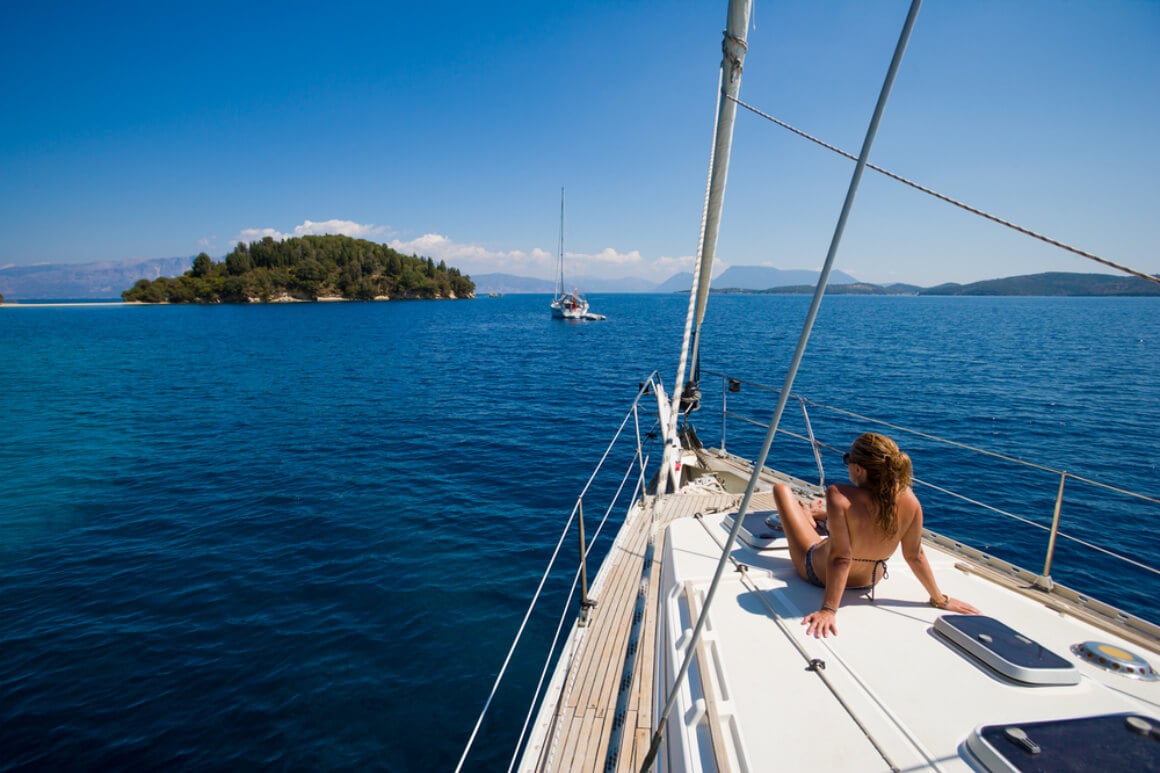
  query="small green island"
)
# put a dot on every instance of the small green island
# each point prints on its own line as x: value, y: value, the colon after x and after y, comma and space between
x: 307, y: 268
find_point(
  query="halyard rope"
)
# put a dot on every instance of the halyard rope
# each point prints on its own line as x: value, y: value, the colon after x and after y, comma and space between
x: 949, y: 200
x: 682, y: 363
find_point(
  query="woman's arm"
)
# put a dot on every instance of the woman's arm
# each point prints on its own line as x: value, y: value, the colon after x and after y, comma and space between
x: 916, y: 558
x: 824, y: 622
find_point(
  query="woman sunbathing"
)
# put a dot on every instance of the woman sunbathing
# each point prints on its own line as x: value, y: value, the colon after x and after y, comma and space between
x: 866, y: 522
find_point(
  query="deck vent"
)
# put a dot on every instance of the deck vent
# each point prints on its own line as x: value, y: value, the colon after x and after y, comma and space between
x: 1116, y: 659
x: 1006, y: 651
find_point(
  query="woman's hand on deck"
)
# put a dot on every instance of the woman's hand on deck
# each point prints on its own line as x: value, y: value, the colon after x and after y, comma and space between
x: 960, y: 606
x: 822, y: 623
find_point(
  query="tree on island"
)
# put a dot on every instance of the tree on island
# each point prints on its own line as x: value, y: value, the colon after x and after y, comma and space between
x: 306, y: 268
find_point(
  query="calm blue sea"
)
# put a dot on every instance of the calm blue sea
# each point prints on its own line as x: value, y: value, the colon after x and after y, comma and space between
x: 301, y: 537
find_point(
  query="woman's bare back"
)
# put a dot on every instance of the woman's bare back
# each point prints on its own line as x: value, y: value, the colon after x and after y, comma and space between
x: 869, y: 545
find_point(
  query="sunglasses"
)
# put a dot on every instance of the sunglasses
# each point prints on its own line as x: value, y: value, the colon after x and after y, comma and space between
x: 846, y: 460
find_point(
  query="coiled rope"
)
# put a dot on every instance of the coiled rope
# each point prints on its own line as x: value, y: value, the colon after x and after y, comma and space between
x: 949, y: 200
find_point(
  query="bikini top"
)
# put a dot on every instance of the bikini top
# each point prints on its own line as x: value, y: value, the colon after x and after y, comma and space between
x: 874, y: 572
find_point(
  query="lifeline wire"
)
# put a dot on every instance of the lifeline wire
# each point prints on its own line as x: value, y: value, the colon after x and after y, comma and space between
x: 543, y: 581
x: 948, y: 492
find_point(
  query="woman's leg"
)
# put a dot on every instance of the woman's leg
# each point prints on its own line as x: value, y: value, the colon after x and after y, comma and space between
x: 798, y: 525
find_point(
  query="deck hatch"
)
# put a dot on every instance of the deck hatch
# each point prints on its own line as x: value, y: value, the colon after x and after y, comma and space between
x: 1106, y: 742
x: 1006, y: 651
x: 760, y: 530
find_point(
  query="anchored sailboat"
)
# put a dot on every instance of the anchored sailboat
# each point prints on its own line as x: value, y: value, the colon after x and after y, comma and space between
x: 566, y: 305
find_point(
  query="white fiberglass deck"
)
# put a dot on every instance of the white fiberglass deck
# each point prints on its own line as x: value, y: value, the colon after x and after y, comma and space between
x: 893, y: 691
x: 890, y: 676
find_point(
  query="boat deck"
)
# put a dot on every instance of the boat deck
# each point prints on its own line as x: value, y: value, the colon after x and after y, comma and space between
x: 596, y: 725
x: 745, y: 691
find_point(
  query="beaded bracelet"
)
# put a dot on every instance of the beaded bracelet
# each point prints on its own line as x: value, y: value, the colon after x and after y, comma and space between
x: 946, y: 600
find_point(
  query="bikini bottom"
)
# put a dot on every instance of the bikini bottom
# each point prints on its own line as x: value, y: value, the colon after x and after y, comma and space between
x: 813, y: 579
x: 812, y: 576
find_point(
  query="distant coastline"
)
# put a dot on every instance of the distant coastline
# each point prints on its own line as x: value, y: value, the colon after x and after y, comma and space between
x: 1051, y: 284
x: 106, y: 280
x: 772, y: 281
x: 50, y: 304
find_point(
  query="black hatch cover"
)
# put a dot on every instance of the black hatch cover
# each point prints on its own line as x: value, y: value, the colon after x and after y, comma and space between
x: 1128, y: 742
x: 1006, y: 651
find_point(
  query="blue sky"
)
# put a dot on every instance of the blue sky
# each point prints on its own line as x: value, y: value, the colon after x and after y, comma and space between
x: 140, y: 130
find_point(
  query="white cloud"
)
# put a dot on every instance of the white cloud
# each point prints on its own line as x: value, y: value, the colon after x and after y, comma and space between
x: 664, y: 267
x: 475, y: 259
x: 258, y: 234
x: 607, y: 256
x: 343, y: 227
x: 312, y: 228
x: 609, y: 263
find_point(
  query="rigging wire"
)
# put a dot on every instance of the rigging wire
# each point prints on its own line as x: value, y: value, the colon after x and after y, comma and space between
x: 811, y: 316
x: 1041, y: 527
x: 671, y: 428
x: 948, y: 199
x: 977, y: 450
x: 515, y: 642
x: 791, y: 639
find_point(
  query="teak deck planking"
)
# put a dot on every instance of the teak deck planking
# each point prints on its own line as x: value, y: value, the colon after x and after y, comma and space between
x: 585, y: 717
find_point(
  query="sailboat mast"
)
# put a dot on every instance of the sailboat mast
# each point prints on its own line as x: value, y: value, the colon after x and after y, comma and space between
x: 734, y: 47
x: 560, y: 250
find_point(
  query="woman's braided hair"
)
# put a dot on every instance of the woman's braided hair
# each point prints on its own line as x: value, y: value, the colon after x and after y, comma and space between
x: 888, y: 471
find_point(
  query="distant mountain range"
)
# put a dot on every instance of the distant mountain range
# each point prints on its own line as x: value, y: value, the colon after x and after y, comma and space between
x: 760, y: 279
x: 749, y: 278
x: 1052, y: 283
x: 107, y: 279
x: 1043, y: 285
